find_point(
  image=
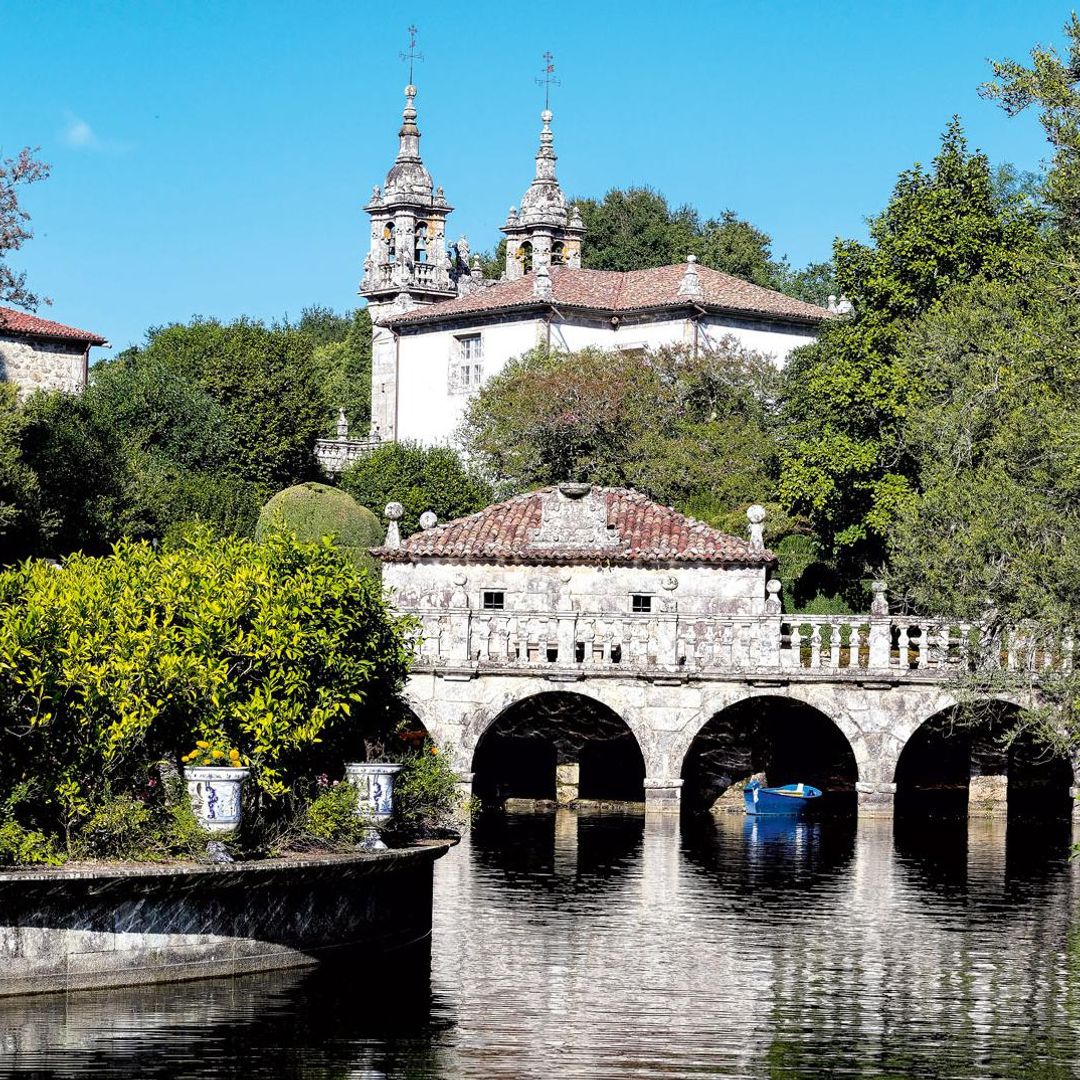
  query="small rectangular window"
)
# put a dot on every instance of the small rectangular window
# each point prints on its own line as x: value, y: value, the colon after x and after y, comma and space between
x: 641, y: 604
x: 494, y: 601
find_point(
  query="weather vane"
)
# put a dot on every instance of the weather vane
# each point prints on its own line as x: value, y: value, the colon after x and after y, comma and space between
x: 412, y: 55
x: 549, y: 78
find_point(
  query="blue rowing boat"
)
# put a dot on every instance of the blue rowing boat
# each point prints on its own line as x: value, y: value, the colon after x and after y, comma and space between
x: 790, y: 800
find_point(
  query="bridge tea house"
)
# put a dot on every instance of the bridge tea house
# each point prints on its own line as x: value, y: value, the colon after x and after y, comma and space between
x: 587, y: 645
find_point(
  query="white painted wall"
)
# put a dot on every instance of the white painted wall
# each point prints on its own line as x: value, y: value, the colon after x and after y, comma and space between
x: 430, y: 413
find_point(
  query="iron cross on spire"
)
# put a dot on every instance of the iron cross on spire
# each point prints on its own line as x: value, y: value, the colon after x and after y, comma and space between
x: 412, y: 55
x: 549, y: 79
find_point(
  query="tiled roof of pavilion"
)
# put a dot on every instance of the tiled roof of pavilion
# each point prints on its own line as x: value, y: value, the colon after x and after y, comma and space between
x: 618, y: 292
x: 632, y: 530
x: 24, y: 324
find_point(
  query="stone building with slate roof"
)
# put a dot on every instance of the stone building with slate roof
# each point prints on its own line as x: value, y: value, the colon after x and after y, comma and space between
x: 38, y: 354
x: 440, y: 330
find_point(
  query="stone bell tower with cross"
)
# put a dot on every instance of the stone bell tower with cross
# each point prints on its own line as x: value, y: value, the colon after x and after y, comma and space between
x: 407, y: 265
x: 543, y: 233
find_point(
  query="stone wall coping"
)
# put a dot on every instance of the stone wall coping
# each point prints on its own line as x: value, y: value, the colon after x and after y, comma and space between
x: 427, y: 850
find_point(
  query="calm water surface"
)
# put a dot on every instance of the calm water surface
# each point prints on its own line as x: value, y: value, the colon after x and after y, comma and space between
x: 569, y: 946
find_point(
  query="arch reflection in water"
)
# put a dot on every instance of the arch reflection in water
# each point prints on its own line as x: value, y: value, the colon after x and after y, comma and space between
x: 589, y: 946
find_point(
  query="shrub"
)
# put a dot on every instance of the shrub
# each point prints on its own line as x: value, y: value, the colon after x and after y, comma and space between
x: 283, y: 650
x: 312, y: 512
x: 332, y: 816
x: 427, y: 800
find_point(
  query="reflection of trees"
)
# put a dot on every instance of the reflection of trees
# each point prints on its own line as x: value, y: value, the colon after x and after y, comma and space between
x: 369, y: 1016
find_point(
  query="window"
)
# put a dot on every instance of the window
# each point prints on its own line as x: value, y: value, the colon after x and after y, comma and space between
x: 641, y: 604
x: 420, y: 252
x: 494, y: 601
x: 466, y: 364
x: 525, y: 255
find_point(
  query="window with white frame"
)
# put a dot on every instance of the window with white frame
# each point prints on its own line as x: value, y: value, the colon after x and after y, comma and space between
x: 466, y: 363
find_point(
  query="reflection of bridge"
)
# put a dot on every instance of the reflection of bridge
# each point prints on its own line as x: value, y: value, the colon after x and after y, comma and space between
x: 878, y: 679
x: 585, y: 630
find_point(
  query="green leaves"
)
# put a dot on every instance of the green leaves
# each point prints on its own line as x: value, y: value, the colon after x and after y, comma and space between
x: 844, y: 462
x: 283, y: 650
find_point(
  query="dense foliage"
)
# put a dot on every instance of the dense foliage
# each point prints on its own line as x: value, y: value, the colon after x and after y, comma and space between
x: 312, y: 512
x: 203, y: 422
x: 420, y: 478
x: 845, y: 466
x: 694, y: 431
x: 283, y: 650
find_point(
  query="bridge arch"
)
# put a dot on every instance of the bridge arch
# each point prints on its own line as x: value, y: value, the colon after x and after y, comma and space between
x: 555, y: 744
x: 786, y: 736
x: 953, y: 765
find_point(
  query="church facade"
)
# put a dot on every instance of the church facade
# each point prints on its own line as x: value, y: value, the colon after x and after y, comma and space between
x: 440, y: 330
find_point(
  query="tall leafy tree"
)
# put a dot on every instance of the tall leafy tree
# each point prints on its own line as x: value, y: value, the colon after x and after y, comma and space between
x: 16, y: 172
x: 420, y: 478
x: 844, y: 464
x: 692, y: 430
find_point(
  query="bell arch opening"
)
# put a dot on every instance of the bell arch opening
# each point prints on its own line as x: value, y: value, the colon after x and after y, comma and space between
x: 778, y: 740
x: 979, y: 762
x: 558, y: 747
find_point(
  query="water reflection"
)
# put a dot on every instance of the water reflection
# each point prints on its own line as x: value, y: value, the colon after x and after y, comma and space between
x: 622, y: 947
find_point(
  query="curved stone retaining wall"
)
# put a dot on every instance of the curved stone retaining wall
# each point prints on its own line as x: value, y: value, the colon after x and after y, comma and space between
x: 72, y: 929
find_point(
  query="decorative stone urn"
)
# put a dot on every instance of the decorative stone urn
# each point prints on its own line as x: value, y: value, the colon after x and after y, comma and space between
x: 374, y: 783
x: 215, y: 795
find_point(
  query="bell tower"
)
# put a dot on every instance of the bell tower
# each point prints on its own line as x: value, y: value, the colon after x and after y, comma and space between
x: 543, y: 233
x: 407, y: 264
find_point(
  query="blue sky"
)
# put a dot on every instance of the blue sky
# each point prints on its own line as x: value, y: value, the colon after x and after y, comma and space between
x: 211, y: 158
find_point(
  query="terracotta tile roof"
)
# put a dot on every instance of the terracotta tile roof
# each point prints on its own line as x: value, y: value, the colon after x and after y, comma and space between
x: 24, y: 324
x: 613, y: 291
x: 644, y: 532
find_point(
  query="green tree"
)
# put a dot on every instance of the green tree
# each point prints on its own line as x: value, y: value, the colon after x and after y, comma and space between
x: 844, y: 465
x: 1050, y: 85
x: 265, y: 382
x: 345, y: 367
x: 83, y: 481
x: 420, y: 478
x: 692, y: 430
x: 18, y: 484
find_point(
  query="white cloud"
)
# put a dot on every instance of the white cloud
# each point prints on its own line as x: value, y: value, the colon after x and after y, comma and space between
x: 79, y: 134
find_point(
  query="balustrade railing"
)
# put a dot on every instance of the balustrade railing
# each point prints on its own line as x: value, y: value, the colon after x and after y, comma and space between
x: 691, y: 643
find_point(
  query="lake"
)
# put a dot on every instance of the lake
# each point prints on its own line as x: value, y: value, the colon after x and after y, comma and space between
x: 571, y: 945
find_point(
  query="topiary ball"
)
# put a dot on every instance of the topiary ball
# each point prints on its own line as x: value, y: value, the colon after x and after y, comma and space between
x: 312, y: 511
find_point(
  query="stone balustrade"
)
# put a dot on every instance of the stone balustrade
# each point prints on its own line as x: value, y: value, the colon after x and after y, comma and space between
x: 700, y: 644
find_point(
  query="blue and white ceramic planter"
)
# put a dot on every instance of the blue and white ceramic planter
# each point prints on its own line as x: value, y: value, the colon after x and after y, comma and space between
x: 215, y: 795
x: 374, y: 783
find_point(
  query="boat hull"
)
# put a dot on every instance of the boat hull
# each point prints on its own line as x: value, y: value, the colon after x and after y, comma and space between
x: 791, y: 800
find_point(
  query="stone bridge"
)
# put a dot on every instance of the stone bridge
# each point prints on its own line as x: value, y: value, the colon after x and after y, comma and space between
x: 666, y: 676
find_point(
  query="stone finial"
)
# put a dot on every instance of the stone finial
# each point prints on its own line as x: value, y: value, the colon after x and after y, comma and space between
x: 542, y: 283
x: 843, y: 306
x: 342, y: 425
x: 690, y: 285
x: 394, y: 512
x: 575, y: 218
x: 428, y: 520
x: 756, y: 516
x: 880, y: 604
x: 772, y: 602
